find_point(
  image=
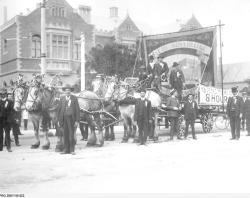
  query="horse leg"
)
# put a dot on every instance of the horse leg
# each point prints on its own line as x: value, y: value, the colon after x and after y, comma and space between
x: 35, y: 123
x: 45, y: 124
x: 92, y: 136
x: 125, y: 135
x: 100, y: 139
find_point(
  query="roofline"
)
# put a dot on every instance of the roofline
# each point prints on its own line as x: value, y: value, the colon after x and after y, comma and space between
x: 9, y: 23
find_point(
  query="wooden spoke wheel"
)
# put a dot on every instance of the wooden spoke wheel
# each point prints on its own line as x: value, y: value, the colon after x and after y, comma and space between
x: 207, y: 122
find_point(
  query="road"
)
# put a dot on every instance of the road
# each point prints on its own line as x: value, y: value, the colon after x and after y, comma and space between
x: 211, y: 164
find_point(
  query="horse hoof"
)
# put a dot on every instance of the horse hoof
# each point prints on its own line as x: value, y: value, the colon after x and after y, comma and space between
x: 35, y: 146
x: 46, y: 146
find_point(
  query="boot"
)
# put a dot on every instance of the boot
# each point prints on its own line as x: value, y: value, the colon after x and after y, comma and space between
x: 35, y: 146
x: 46, y: 146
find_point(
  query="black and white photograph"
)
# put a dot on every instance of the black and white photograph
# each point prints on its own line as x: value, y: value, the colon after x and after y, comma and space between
x: 124, y: 98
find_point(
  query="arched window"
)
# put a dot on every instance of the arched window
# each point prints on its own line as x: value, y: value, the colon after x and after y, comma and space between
x: 36, y: 46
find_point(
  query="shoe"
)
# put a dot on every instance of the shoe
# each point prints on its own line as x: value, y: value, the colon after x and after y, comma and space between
x: 73, y: 153
x: 232, y: 138
x: 9, y: 150
x: 195, y: 138
x: 237, y: 138
x: 35, y: 146
x: 46, y: 146
x: 17, y: 144
x: 64, y: 152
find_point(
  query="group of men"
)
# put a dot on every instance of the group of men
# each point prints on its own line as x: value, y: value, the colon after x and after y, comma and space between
x: 158, y: 71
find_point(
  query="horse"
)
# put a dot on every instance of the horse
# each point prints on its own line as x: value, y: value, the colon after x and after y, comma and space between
x: 126, y: 97
x: 38, y: 103
x: 91, y: 107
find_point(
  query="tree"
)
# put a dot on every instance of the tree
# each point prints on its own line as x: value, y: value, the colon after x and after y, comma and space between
x: 113, y: 59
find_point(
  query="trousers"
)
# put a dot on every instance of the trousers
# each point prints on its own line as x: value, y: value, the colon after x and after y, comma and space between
x: 190, y: 123
x: 235, y: 126
x: 69, y: 134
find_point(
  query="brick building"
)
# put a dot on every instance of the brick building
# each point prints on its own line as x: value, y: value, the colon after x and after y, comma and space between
x: 20, y: 46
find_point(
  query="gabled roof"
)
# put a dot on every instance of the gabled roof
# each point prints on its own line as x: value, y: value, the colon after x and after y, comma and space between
x: 236, y: 72
x: 191, y: 24
x: 129, y: 21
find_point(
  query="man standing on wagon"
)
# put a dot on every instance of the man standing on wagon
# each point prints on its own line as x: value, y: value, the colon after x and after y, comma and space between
x: 234, y: 112
x: 177, y: 79
x: 68, y: 117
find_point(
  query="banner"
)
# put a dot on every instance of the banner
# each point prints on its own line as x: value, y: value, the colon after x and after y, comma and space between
x: 195, y: 51
x: 213, y: 96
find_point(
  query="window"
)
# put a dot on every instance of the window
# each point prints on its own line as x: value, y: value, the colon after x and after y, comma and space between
x: 5, y: 44
x: 36, y: 47
x: 58, y: 11
x: 60, y: 46
x: 48, y: 45
x: 129, y: 28
x: 77, y: 51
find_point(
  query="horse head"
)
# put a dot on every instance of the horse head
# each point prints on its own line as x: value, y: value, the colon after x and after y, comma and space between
x: 116, y: 91
x: 34, y: 98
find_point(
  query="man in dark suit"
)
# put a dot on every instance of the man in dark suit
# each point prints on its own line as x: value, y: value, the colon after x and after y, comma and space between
x: 5, y: 110
x: 247, y: 113
x: 190, y: 114
x: 243, y: 120
x: 68, y: 117
x: 173, y: 113
x: 165, y: 68
x: 143, y: 116
x: 177, y: 79
x: 155, y: 71
x: 234, y: 112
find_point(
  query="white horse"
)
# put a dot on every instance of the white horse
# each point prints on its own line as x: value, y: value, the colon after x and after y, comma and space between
x: 126, y: 98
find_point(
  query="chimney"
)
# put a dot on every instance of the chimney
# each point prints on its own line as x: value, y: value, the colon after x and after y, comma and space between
x: 113, y: 12
x: 5, y: 14
x: 85, y: 13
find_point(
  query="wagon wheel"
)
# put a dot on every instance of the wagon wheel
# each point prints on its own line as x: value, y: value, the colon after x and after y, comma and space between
x: 221, y: 122
x: 181, y: 127
x: 207, y: 123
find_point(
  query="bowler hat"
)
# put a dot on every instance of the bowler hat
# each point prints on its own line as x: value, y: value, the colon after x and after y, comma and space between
x: 192, y: 94
x: 67, y: 86
x: 160, y: 56
x: 234, y: 89
x: 172, y: 91
x: 175, y: 64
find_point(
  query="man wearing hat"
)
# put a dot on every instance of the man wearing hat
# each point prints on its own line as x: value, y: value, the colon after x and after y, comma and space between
x: 247, y: 113
x: 143, y: 116
x: 5, y: 111
x: 190, y: 114
x: 234, y: 111
x: 177, y: 79
x: 243, y: 120
x: 69, y: 117
x: 155, y: 71
x: 173, y: 113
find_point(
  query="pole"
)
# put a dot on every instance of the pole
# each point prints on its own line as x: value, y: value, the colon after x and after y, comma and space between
x: 43, y: 38
x: 82, y: 62
x: 221, y: 67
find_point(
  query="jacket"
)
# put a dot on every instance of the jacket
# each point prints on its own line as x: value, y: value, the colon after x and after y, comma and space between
x: 247, y: 109
x: 239, y: 106
x: 171, y: 103
x: 143, y: 109
x: 176, y: 79
x: 62, y: 107
x: 190, y: 110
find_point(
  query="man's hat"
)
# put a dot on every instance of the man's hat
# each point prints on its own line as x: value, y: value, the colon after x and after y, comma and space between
x: 172, y: 91
x: 143, y: 90
x: 192, y: 94
x: 160, y: 56
x: 151, y: 57
x: 234, y: 89
x: 175, y: 64
x: 67, y: 86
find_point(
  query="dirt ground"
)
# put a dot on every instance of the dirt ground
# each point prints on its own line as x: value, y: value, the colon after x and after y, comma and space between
x: 211, y: 164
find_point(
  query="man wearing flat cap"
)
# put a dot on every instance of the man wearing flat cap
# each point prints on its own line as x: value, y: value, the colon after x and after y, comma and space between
x: 177, y: 79
x: 143, y: 116
x: 68, y: 118
x: 190, y: 114
x: 234, y: 112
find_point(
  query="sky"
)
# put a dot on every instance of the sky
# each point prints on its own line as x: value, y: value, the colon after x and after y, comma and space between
x: 156, y: 15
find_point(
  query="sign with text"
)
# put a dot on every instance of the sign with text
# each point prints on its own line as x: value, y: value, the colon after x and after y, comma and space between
x: 213, y: 96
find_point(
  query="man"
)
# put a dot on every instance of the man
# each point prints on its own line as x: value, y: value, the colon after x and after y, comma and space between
x: 173, y: 106
x: 155, y: 71
x: 143, y: 116
x: 177, y: 79
x: 247, y: 113
x: 243, y: 120
x: 164, y: 67
x: 5, y: 110
x: 190, y: 114
x: 234, y: 112
x: 14, y: 119
x: 69, y: 117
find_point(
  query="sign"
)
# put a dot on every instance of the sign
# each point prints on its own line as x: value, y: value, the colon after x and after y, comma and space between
x: 213, y: 96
